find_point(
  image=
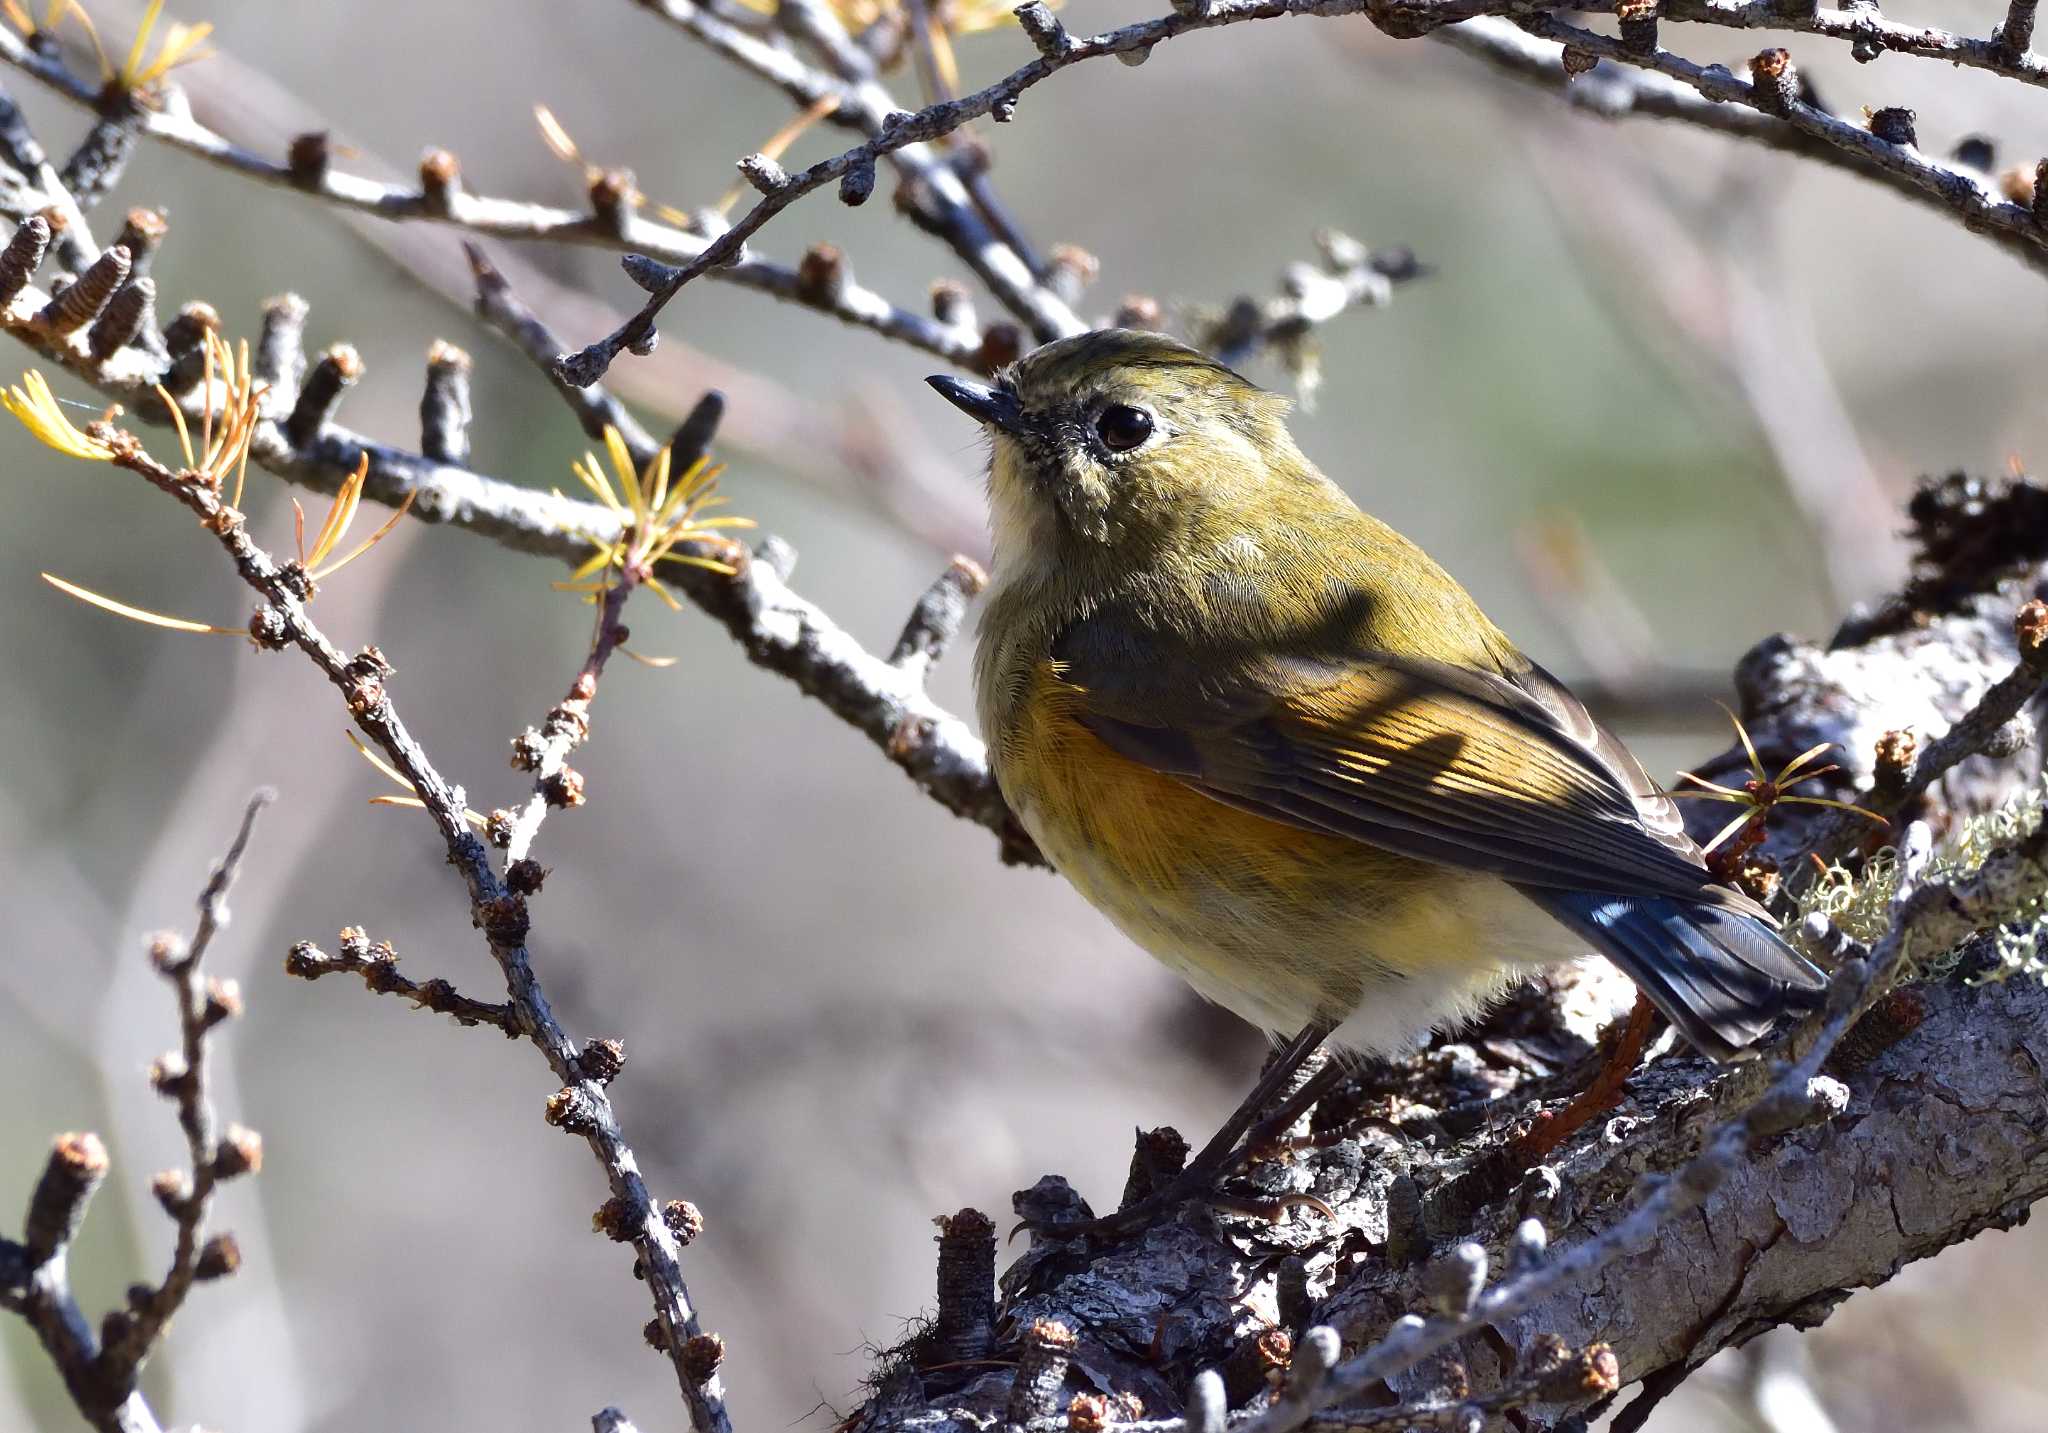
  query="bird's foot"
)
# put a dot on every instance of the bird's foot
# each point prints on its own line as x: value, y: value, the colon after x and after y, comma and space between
x: 1224, y: 1155
x: 1603, y: 1094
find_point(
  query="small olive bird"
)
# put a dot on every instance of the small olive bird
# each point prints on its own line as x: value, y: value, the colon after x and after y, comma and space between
x: 1286, y: 753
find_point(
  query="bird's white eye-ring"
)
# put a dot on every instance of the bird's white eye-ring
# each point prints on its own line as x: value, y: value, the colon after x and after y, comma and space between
x: 1122, y: 427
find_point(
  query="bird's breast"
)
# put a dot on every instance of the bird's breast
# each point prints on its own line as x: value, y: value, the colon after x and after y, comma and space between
x: 1279, y: 923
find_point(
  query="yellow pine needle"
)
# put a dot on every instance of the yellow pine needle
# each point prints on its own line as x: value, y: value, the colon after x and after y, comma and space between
x: 242, y: 462
x: 555, y: 137
x: 1785, y: 774
x: 340, y: 513
x: 712, y: 524
x: 658, y: 663
x: 622, y: 464
x: 780, y: 141
x: 37, y: 408
x: 397, y: 776
x: 178, y: 422
x: 412, y: 795
x: 1863, y: 811
x: 605, y: 556
x: 138, y: 614
x: 180, y: 46
x: 943, y: 59
x: 657, y: 482
x: 1789, y: 775
x: 1718, y: 794
x: 473, y: 818
x: 1756, y: 765
x: 1732, y: 827
x: 709, y: 564
x: 206, y: 408
x: 592, y: 477
x: 58, y: 8
x: 133, y: 69
x: 661, y: 510
x: 238, y: 409
x: 367, y: 543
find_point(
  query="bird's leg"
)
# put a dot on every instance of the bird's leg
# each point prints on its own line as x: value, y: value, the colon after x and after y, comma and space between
x: 1222, y: 1153
x: 1596, y: 1099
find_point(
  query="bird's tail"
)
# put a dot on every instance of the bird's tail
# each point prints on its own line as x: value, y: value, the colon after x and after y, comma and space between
x: 1721, y: 976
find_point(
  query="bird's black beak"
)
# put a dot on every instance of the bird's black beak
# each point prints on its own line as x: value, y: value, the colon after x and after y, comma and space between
x: 983, y: 404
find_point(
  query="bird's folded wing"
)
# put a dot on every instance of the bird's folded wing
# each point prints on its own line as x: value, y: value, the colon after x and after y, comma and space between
x: 1445, y: 764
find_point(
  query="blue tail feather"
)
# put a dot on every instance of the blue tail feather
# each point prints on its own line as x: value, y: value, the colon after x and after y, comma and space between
x: 1720, y: 975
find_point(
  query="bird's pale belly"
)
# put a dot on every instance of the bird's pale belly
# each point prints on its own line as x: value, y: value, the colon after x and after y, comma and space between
x: 1279, y: 924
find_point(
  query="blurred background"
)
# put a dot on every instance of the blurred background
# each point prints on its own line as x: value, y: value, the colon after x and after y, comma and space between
x: 843, y: 1016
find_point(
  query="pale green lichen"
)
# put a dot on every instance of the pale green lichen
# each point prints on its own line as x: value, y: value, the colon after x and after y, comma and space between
x: 1860, y: 904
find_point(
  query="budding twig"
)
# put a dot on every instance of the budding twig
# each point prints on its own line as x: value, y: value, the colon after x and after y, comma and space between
x: 498, y: 911
x: 377, y: 964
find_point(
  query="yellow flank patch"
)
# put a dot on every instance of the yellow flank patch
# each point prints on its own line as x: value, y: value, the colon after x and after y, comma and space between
x: 1277, y: 921
x: 1093, y: 800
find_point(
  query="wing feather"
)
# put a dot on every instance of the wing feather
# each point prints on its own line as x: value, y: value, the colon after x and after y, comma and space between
x: 1509, y: 775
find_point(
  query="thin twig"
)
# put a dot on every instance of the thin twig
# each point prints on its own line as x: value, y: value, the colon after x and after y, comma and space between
x: 502, y: 309
x: 36, y: 1284
x: 1311, y: 295
x: 34, y: 1281
x: 1672, y: 87
x: 862, y: 104
x: 581, y: 1106
x: 545, y: 750
x: 202, y: 1005
x: 377, y: 964
x: 498, y: 217
x: 1865, y: 28
x: 96, y: 166
x: 2016, y: 35
x: 589, y: 364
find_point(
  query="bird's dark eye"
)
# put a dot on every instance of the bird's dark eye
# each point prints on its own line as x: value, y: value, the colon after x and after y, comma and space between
x: 1122, y: 427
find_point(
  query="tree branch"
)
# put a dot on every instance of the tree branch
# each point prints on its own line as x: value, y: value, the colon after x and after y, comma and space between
x: 619, y: 227
x: 1662, y: 1294
x: 378, y: 966
x: 937, y: 190
x: 581, y: 1106
x: 854, y: 169
x: 101, y: 1372
x: 1670, y: 87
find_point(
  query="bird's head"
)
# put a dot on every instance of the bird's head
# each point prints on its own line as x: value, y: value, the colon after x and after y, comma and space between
x: 1122, y: 443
